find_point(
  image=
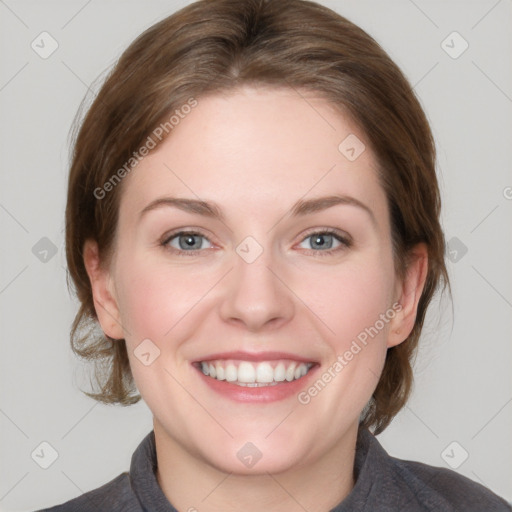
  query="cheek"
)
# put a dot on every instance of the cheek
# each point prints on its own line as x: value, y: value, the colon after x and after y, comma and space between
x: 157, y: 303
x: 154, y: 298
x: 351, y: 298
x: 355, y: 303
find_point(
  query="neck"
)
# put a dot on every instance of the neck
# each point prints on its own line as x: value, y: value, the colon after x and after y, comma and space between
x: 192, y: 484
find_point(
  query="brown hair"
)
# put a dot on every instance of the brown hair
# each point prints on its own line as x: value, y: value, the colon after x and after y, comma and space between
x: 212, y: 46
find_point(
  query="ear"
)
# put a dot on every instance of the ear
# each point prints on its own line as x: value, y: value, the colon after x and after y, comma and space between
x: 105, y: 301
x: 408, y: 294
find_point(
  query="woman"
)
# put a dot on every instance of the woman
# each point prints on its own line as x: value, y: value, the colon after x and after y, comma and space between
x: 253, y: 221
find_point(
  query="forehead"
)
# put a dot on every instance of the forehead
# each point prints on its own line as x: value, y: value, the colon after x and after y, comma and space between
x: 258, y: 150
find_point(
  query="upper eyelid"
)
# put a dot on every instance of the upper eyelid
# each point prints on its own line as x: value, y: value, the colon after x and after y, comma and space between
x: 330, y: 231
x: 173, y: 234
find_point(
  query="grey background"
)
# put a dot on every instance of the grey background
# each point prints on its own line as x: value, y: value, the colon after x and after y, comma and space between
x: 463, y: 389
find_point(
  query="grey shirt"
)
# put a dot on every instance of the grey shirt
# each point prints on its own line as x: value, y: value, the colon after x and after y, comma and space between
x: 382, y: 484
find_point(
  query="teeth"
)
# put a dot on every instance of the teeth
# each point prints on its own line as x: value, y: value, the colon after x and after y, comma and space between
x: 290, y: 372
x: 221, y: 373
x: 255, y: 375
x: 264, y: 373
x: 280, y: 373
x: 231, y: 373
x: 246, y: 372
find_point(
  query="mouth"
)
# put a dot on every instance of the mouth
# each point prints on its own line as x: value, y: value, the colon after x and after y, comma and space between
x: 262, y: 373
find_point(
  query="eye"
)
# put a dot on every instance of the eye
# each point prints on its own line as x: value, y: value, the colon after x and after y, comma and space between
x: 186, y: 241
x: 322, y: 242
x: 326, y: 241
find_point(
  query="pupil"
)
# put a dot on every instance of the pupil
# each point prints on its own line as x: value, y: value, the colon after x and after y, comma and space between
x: 319, y: 241
x: 189, y: 240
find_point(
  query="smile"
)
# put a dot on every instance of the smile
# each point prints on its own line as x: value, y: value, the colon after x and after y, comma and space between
x: 248, y: 374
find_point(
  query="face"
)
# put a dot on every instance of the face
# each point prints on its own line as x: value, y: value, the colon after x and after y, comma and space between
x: 264, y: 283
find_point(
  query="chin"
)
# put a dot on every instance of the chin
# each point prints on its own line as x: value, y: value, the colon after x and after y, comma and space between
x: 274, y: 463
x: 256, y: 457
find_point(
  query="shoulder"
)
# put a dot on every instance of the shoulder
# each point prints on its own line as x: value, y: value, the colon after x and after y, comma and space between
x: 432, y: 484
x: 116, y: 495
x: 387, y: 484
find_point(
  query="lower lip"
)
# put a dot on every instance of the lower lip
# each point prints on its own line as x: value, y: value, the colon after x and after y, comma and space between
x: 263, y: 394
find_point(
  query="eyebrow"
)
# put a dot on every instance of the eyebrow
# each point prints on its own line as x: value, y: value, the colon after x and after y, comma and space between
x: 300, y: 208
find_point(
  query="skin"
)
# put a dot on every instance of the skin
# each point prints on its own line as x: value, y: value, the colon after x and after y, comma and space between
x: 255, y: 152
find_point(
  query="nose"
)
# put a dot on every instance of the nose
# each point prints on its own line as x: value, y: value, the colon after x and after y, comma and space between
x: 257, y: 296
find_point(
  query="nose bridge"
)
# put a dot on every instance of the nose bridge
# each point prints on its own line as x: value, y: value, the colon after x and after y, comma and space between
x: 256, y: 296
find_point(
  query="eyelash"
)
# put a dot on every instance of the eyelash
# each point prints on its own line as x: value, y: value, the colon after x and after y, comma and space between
x: 345, y: 242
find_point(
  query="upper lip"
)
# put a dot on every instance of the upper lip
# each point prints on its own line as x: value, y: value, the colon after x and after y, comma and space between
x: 255, y: 356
